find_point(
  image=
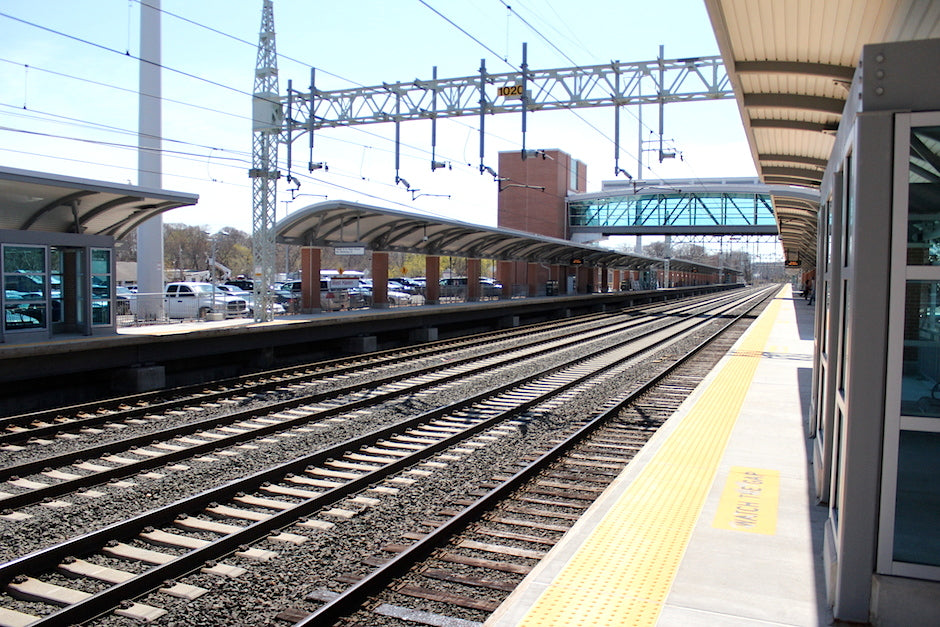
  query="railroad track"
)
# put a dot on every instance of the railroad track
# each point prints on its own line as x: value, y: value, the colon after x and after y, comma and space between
x: 41, y: 426
x: 497, y: 538
x: 50, y: 477
x: 246, y: 517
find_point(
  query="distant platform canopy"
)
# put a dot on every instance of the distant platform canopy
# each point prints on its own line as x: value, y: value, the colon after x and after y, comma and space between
x: 36, y: 201
x: 687, y: 207
x: 347, y: 224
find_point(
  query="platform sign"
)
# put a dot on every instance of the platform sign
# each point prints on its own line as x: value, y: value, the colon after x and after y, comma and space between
x: 337, y: 283
x: 510, y: 92
x: 349, y: 250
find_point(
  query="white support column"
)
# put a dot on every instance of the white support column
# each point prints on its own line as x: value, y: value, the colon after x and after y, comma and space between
x: 149, y: 163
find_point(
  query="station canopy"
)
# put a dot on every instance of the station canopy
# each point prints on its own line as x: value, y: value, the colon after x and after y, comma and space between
x: 791, y: 65
x: 36, y: 201
x: 348, y: 224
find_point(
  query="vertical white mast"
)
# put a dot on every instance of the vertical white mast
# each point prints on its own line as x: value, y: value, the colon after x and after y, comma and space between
x: 149, y: 161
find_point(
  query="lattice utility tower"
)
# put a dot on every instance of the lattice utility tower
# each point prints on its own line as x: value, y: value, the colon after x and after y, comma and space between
x: 614, y: 84
x: 267, y: 121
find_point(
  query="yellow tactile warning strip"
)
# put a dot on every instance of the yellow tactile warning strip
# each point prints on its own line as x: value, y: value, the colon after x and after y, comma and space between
x: 622, y: 573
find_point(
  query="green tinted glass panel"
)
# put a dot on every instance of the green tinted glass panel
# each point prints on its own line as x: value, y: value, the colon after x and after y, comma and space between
x: 24, y: 316
x: 920, y: 380
x: 24, y: 259
x: 100, y: 261
x: 101, y: 286
x: 24, y: 286
x: 917, y: 512
x: 101, y: 312
x: 923, y: 218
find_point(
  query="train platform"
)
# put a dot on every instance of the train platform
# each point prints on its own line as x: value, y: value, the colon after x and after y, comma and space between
x: 714, y: 522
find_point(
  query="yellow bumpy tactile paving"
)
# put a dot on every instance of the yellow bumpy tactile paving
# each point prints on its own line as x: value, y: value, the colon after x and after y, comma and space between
x: 623, y: 572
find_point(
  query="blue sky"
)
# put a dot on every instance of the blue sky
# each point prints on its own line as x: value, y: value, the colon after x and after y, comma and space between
x: 68, y: 101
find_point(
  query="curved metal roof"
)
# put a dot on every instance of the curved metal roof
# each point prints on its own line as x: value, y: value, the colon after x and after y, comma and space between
x: 35, y: 201
x: 791, y: 64
x: 339, y: 222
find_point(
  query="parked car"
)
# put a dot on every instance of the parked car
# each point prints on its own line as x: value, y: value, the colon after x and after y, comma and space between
x: 490, y: 287
x: 190, y: 299
x: 330, y: 299
x: 457, y: 286
x: 247, y: 285
x: 395, y: 297
x: 403, y: 284
x: 276, y: 308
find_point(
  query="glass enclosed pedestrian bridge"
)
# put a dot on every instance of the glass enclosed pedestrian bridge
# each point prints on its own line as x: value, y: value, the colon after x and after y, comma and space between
x: 688, y: 207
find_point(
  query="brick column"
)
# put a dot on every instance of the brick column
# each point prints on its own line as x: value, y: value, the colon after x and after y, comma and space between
x: 432, y: 274
x: 473, y: 280
x: 506, y: 277
x: 604, y: 283
x: 532, y: 278
x: 379, y: 280
x: 309, y: 279
x: 584, y: 278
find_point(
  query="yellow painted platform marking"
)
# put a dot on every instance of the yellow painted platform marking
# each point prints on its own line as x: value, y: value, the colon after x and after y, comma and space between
x: 622, y: 573
x: 749, y: 501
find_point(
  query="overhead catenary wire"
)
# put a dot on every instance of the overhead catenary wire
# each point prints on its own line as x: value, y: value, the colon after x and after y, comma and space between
x: 181, y: 72
x: 244, y: 93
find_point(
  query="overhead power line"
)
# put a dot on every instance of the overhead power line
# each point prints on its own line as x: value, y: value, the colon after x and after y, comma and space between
x: 123, y: 54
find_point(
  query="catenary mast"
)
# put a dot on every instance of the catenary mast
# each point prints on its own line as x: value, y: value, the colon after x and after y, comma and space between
x: 267, y: 118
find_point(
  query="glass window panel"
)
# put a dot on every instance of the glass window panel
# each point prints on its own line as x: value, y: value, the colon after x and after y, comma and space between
x: 844, y: 323
x: 920, y: 378
x: 923, y: 217
x: 917, y: 510
x: 24, y: 259
x: 24, y: 286
x: 101, y: 312
x: 100, y: 261
x: 24, y: 316
x: 101, y: 286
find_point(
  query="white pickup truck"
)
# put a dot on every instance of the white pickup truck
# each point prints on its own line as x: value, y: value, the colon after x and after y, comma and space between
x: 188, y: 299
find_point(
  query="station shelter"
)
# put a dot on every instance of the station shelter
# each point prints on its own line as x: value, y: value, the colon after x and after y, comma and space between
x: 360, y: 229
x: 57, y: 260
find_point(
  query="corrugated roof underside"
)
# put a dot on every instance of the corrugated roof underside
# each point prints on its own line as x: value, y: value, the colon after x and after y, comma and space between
x: 790, y: 112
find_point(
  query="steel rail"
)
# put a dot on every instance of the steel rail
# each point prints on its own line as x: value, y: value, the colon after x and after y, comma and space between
x: 270, y: 379
x: 257, y: 381
x: 85, y: 481
x: 197, y: 392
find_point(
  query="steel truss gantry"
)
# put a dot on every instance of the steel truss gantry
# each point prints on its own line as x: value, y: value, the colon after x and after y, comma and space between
x: 613, y: 84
